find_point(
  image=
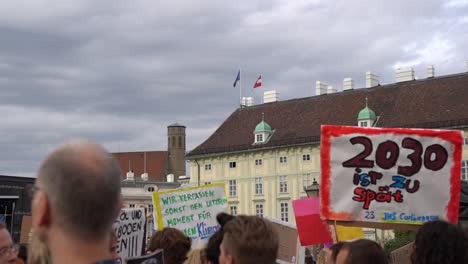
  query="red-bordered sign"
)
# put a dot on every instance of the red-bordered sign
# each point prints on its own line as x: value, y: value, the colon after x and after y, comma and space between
x: 390, y: 175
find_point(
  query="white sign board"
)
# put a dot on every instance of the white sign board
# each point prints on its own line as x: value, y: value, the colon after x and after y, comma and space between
x: 130, y: 229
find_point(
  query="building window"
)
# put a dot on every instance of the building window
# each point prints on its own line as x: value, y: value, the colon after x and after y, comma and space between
x: 232, y: 164
x: 464, y: 170
x: 173, y: 142
x: 259, y: 210
x: 207, y: 167
x: 306, y: 157
x: 283, y: 159
x: 466, y: 141
x: 233, y: 210
x: 258, y: 186
x: 150, y: 208
x: 151, y: 189
x: 232, y: 188
x: 131, y: 205
x: 284, y: 212
x: 206, y: 183
x: 283, y: 184
x: 306, y: 180
x: 180, y: 142
x: 258, y: 162
x: 259, y: 138
x: 363, y: 124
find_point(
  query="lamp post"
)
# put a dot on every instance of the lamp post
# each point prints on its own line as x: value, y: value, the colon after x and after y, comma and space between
x: 313, y: 190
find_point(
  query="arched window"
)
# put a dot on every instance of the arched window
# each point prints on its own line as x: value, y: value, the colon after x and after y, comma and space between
x: 173, y: 142
x: 180, y: 142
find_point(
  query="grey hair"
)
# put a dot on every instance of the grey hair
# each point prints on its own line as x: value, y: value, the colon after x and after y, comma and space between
x: 82, y: 181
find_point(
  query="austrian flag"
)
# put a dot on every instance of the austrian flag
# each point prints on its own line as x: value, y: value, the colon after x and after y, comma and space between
x: 258, y: 83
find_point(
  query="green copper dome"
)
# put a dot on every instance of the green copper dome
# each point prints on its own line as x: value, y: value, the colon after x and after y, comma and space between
x: 263, y: 127
x: 366, y: 113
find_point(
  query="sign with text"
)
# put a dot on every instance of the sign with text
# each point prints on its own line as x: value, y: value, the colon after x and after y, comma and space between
x: 130, y: 229
x: 191, y: 210
x: 390, y: 175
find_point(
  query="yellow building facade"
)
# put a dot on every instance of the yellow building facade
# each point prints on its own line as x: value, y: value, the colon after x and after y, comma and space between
x: 264, y: 177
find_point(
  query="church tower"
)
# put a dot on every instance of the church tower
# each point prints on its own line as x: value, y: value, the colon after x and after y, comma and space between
x: 176, y: 150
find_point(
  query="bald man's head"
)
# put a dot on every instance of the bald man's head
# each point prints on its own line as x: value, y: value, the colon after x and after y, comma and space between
x: 82, y: 183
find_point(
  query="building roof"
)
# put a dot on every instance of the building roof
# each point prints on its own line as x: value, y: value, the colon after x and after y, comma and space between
x: 427, y: 103
x: 156, y: 165
x: 263, y: 127
x: 366, y: 113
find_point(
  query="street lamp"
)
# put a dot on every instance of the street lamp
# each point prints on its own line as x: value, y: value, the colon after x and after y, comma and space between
x: 313, y: 190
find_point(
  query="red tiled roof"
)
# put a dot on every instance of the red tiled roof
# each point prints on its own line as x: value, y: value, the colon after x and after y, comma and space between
x: 428, y: 103
x: 155, y: 163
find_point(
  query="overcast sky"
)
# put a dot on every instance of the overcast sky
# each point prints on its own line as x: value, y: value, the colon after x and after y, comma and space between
x: 119, y: 72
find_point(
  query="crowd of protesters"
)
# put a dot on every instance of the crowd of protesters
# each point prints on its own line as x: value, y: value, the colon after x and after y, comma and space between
x: 80, y: 178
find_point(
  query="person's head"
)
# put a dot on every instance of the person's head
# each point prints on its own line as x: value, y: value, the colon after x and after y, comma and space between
x: 249, y: 240
x: 77, y: 193
x: 440, y: 242
x: 113, y: 245
x: 174, y: 243
x: 211, y: 252
x: 333, y: 252
x: 361, y: 251
x: 8, y: 251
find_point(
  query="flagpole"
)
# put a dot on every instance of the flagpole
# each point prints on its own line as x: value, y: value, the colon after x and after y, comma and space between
x: 240, y: 90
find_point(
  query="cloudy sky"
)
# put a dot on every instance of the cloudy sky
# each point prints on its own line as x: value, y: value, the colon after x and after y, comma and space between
x: 119, y: 72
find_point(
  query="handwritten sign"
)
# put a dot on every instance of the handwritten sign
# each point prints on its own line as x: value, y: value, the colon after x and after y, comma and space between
x: 390, y: 175
x: 191, y: 210
x: 130, y: 229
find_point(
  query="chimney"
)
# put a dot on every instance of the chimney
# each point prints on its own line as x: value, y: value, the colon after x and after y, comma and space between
x: 170, y: 178
x: 247, y: 101
x: 430, y: 71
x: 270, y: 96
x: 348, y: 84
x: 404, y: 74
x: 371, y: 79
x: 331, y: 90
x: 144, y: 176
x: 320, y: 88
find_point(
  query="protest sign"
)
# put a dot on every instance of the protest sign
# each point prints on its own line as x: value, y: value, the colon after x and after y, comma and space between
x: 311, y: 228
x: 347, y: 233
x: 26, y: 224
x: 402, y: 255
x: 390, y: 175
x: 191, y: 210
x: 130, y: 229
x: 290, y: 250
x: 156, y: 257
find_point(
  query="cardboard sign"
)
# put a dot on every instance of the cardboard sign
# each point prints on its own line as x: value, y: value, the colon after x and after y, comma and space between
x: 402, y: 255
x: 290, y: 251
x: 156, y: 257
x: 312, y: 229
x: 390, y: 175
x: 130, y: 229
x: 191, y: 210
x: 26, y: 224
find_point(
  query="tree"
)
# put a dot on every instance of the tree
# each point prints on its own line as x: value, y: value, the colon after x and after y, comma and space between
x: 401, y: 238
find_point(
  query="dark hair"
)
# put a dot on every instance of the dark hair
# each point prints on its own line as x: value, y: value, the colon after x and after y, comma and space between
x: 440, y: 242
x: 174, y: 243
x: 335, y: 249
x: 250, y: 240
x: 23, y: 252
x: 364, y: 251
x: 212, y: 248
x: 82, y: 179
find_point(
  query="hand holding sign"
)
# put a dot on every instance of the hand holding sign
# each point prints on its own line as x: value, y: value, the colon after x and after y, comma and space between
x: 390, y: 175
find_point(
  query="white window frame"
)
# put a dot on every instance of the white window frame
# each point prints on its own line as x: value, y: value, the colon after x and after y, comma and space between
x: 284, y: 159
x: 232, y: 188
x: 284, y: 211
x: 233, y: 209
x: 259, y: 210
x: 306, y: 180
x: 208, y: 167
x: 306, y: 157
x: 258, y: 162
x: 363, y: 123
x: 150, y: 208
x: 259, y: 138
x: 283, y: 184
x: 232, y: 164
x: 258, y: 186
x: 464, y: 170
x: 131, y: 205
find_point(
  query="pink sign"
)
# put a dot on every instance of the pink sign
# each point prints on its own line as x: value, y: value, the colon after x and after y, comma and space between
x: 311, y: 228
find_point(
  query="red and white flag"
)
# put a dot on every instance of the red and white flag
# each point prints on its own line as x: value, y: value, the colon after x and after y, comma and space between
x: 258, y: 83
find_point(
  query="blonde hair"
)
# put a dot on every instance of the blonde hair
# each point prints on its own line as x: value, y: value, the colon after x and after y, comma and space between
x: 38, y: 253
x: 194, y: 257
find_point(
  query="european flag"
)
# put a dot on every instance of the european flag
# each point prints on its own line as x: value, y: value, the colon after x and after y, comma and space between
x: 237, y: 79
